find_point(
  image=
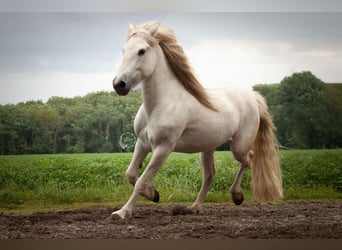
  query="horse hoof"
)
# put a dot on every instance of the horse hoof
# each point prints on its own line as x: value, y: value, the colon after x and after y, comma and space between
x: 156, y: 196
x: 237, y: 198
x: 120, y: 215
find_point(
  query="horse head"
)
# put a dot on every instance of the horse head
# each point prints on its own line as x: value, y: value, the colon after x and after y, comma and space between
x: 138, y: 58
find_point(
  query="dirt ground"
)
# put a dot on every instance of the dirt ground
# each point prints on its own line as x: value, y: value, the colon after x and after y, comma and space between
x: 300, y: 220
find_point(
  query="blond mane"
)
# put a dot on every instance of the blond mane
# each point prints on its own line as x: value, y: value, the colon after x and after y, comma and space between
x: 176, y: 58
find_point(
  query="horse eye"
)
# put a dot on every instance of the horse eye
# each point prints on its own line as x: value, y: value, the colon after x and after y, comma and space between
x: 141, y: 52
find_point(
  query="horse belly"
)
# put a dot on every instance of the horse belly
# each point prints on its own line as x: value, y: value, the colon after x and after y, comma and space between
x: 208, y: 130
x: 193, y: 141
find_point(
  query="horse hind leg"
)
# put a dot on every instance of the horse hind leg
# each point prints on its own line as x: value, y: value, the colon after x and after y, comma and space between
x: 243, y: 157
x: 207, y: 160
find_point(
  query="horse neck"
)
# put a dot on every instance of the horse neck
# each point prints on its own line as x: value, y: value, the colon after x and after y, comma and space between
x: 162, y: 88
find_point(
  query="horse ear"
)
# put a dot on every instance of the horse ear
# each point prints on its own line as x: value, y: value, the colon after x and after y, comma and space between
x: 131, y: 27
x: 154, y: 27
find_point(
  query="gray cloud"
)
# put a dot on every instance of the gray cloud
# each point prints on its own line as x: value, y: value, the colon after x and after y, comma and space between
x: 61, y: 39
x: 68, y: 41
x: 83, y: 43
x: 305, y: 29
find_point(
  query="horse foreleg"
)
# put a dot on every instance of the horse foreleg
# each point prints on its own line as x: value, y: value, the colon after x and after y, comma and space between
x: 143, y: 185
x: 139, y: 155
x: 207, y: 160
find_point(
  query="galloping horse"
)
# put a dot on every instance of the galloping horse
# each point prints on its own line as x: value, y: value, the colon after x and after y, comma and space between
x: 179, y: 115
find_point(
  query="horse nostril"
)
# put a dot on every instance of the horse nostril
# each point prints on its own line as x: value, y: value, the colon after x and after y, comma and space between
x: 122, y: 84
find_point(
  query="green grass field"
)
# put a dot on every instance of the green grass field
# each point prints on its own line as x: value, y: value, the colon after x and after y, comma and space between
x: 39, y: 182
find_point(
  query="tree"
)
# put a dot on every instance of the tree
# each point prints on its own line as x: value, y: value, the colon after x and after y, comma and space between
x: 302, y: 100
x: 305, y: 110
x: 333, y: 117
x: 8, y: 133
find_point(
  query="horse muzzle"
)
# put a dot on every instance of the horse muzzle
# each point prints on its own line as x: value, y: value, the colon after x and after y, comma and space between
x: 121, y: 87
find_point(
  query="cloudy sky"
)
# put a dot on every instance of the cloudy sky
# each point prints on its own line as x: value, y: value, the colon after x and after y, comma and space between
x: 44, y: 54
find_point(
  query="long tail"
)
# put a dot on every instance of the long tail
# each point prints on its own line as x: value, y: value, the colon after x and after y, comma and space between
x: 265, y: 167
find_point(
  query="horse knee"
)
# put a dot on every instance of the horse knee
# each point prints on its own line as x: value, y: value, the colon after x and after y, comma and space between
x: 131, y: 177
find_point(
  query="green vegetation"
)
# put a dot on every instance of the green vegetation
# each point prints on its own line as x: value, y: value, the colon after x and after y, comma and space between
x: 38, y: 181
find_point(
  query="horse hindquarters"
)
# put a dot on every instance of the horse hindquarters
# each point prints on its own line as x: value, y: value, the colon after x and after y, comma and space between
x: 265, y: 167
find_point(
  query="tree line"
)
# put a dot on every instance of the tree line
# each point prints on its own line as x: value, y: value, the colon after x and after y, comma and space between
x: 93, y: 123
x: 306, y: 112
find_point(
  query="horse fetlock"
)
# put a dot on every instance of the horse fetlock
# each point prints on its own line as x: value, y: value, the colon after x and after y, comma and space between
x: 151, y: 195
x: 149, y: 192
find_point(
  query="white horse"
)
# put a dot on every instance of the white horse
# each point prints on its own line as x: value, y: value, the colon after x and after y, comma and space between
x: 179, y: 115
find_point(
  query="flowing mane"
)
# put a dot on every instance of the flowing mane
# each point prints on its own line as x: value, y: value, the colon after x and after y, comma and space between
x: 176, y: 58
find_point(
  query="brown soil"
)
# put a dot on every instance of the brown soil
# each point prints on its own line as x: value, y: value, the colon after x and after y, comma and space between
x: 299, y: 220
